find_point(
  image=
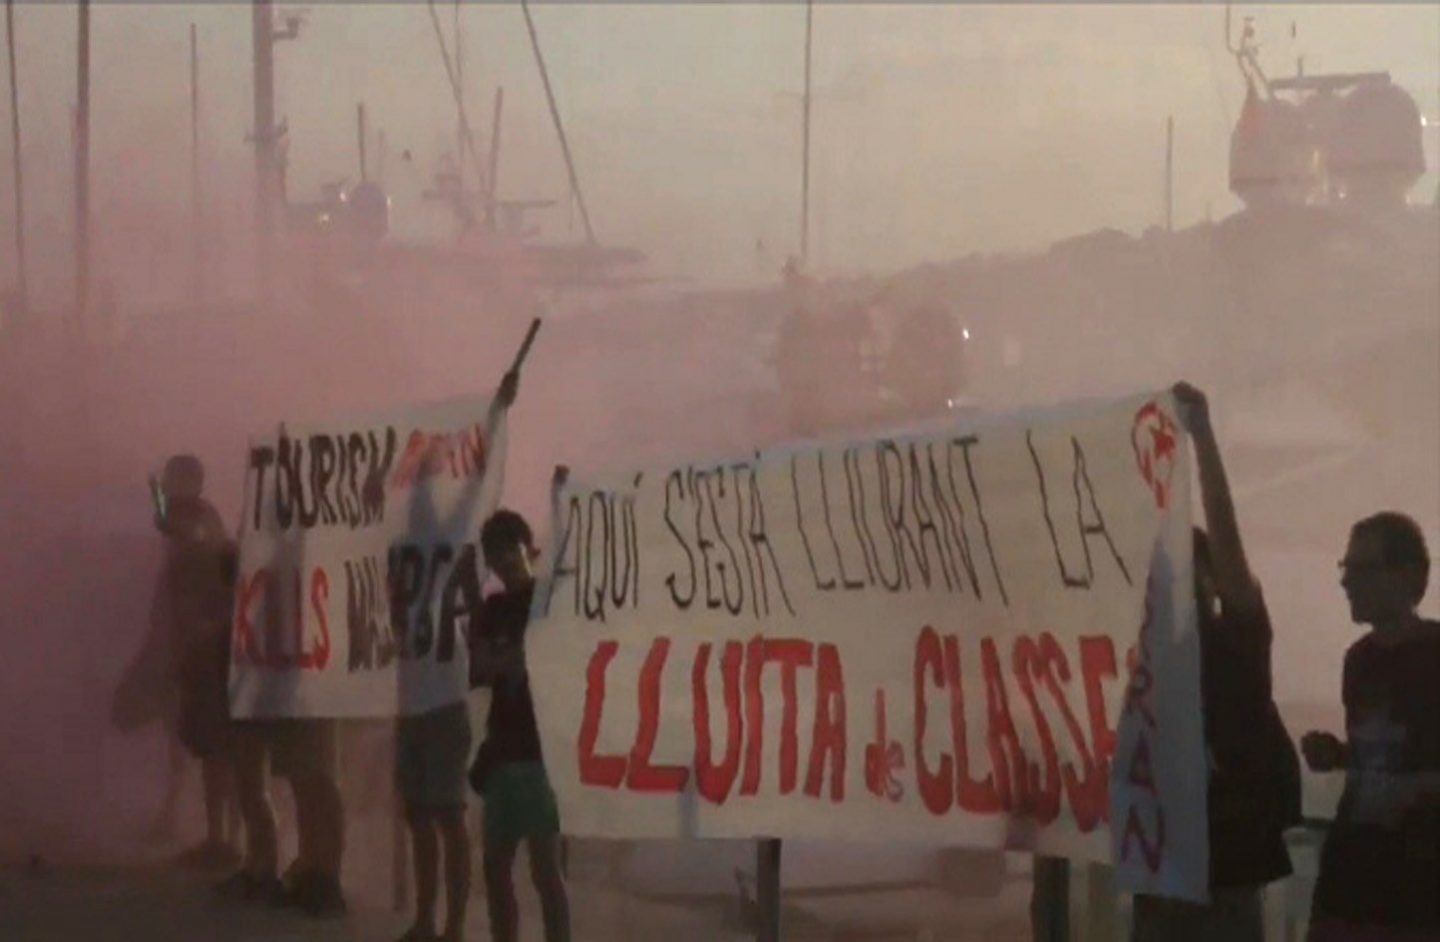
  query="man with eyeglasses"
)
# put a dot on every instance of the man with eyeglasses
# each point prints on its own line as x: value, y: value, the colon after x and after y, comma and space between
x: 1380, y: 867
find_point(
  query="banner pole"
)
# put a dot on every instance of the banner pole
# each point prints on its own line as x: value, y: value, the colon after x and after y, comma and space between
x: 399, y: 858
x: 1050, y: 900
x: 525, y: 346
x: 767, y: 889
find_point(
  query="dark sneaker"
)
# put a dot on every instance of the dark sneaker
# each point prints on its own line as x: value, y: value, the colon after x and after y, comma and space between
x: 263, y: 890
x: 209, y: 855
x: 291, y: 890
x: 314, y: 894
x: 417, y: 934
x: 324, y: 899
x: 292, y: 873
x: 246, y: 887
x: 234, y: 887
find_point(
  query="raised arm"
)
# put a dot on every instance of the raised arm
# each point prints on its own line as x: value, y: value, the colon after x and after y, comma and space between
x: 503, y: 400
x: 1234, y: 581
x: 505, y: 395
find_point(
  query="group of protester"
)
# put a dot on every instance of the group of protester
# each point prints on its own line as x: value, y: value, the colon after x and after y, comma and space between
x: 1379, y: 876
x: 1379, y: 870
x: 190, y: 637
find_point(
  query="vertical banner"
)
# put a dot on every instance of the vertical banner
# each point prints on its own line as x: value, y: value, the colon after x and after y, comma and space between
x: 359, y: 562
x: 980, y: 637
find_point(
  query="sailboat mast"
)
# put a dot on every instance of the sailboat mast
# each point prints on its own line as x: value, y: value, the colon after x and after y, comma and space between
x: 459, y: 102
x: 82, y: 162
x: 559, y: 127
x: 805, y: 147
x: 21, y: 282
x: 197, y: 221
x: 1170, y: 173
x: 360, y: 140
x: 467, y: 136
x: 264, y: 133
x: 492, y: 174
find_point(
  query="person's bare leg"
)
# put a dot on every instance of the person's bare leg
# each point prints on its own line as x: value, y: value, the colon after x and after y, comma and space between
x: 475, y: 825
x: 304, y: 795
x: 545, y: 870
x: 234, y: 817
x: 167, y: 819
x: 253, y: 794
x: 457, y: 871
x: 215, y: 775
x: 425, y: 849
x: 329, y: 836
x: 499, y: 862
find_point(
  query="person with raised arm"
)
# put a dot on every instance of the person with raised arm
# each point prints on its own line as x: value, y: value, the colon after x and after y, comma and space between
x: 1253, y: 772
x: 432, y: 752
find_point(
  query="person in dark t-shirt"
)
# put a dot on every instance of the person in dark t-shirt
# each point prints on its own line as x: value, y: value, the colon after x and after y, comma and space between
x: 192, y: 609
x: 509, y: 771
x: 1380, y: 866
x: 1254, y: 772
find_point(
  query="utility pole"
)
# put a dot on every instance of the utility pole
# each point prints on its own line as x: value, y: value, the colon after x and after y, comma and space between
x: 360, y: 139
x: 263, y: 30
x: 1050, y: 900
x: 805, y: 156
x: 196, y: 207
x: 269, y: 188
x: 767, y: 889
x: 459, y: 104
x: 492, y: 171
x: 82, y: 164
x: 1170, y: 174
x: 22, y: 286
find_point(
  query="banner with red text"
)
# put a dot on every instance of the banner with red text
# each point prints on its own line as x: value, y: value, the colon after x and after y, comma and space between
x: 359, y: 564
x: 982, y: 637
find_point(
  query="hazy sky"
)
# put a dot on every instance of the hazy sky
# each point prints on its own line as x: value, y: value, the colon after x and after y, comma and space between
x: 938, y: 129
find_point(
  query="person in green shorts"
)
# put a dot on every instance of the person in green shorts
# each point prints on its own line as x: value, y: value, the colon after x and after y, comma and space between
x: 509, y: 772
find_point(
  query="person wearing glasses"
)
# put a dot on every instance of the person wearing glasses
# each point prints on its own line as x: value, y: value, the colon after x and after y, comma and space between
x: 1380, y: 867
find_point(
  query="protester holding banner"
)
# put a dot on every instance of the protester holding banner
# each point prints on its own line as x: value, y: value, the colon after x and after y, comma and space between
x: 358, y: 569
x: 303, y: 750
x: 257, y: 879
x: 170, y: 677
x: 199, y: 593
x: 1254, y: 775
x: 306, y: 753
x: 204, y: 715
x: 1380, y: 868
x: 432, y: 750
x: 509, y: 771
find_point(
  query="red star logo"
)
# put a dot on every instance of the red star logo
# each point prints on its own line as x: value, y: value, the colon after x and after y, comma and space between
x: 1155, y: 439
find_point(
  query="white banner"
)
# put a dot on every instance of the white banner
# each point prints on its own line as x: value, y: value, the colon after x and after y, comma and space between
x: 360, y: 567
x: 915, y: 639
